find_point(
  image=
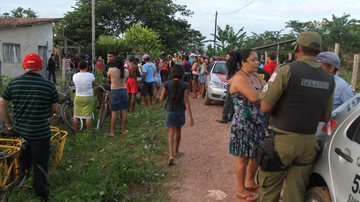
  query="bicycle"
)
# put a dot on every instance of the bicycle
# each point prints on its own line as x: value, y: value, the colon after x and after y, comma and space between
x: 104, y: 109
x: 10, y: 163
x: 67, y: 109
x: 10, y: 147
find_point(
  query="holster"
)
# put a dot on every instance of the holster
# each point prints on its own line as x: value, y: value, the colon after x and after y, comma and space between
x: 266, y: 156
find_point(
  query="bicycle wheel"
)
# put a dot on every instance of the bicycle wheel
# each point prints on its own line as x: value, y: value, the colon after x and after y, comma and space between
x: 102, y: 115
x: 67, y: 114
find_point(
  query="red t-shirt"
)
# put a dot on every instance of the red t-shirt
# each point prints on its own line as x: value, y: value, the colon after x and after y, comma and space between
x: 99, y: 65
x: 270, y: 67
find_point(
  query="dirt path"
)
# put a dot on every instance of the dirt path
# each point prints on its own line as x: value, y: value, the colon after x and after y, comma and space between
x: 206, y: 171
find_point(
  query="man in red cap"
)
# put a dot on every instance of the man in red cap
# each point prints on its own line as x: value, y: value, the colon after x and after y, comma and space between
x: 34, y: 99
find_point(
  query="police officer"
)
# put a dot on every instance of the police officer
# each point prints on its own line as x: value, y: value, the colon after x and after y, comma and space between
x: 297, y: 96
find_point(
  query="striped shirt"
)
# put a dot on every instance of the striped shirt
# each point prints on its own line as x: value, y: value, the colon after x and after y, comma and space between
x: 31, y: 96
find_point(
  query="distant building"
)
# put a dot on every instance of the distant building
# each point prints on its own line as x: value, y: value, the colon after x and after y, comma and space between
x: 19, y: 36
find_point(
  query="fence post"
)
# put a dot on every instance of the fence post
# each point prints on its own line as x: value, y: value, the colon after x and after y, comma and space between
x: 290, y: 56
x: 63, y: 71
x: 266, y: 57
x: 355, y: 71
x: 337, y: 48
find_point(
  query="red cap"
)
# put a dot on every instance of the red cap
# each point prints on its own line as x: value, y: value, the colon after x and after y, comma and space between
x: 32, y: 62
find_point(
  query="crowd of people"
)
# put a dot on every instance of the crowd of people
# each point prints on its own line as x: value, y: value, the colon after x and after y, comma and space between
x: 285, y: 107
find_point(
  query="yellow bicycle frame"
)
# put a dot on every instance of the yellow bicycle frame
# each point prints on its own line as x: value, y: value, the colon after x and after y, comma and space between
x: 9, y: 156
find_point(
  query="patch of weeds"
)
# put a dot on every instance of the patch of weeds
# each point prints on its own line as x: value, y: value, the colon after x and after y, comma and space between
x: 95, y: 167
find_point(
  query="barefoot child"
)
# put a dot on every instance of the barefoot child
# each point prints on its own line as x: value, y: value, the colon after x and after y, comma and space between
x: 177, y: 93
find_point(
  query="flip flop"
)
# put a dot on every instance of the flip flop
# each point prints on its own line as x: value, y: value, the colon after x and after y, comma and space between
x: 171, y: 162
x: 249, y: 196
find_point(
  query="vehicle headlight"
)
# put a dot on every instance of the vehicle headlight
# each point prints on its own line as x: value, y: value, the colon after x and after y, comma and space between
x: 215, y: 84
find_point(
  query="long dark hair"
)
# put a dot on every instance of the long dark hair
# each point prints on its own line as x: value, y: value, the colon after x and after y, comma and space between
x: 119, y: 63
x: 177, y: 73
x: 234, y: 63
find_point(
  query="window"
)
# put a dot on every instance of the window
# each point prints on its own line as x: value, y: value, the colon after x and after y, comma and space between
x: 220, y: 68
x: 11, y: 53
x: 354, y: 131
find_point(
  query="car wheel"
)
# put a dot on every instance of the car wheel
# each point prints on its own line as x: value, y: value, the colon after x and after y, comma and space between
x: 317, y: 194
x: 207, y: 99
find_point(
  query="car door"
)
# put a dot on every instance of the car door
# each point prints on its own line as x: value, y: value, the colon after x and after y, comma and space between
x: 344, y: 156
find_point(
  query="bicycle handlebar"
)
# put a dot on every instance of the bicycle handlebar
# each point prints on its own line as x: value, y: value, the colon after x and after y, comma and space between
x: 102, y: 87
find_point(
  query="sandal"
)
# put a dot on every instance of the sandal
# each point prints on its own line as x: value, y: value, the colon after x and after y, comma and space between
x: 171, y: 162
x: 248, y: 197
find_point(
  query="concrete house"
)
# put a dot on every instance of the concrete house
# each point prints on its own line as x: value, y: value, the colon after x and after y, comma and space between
x: 19, y: 36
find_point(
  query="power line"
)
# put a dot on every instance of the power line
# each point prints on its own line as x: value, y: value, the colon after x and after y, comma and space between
x: 237, y: 10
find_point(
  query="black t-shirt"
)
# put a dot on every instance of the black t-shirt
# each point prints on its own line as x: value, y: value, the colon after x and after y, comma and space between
x: 180, y: 105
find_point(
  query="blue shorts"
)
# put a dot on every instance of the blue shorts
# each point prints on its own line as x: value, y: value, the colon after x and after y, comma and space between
x: 202, y: 78
x: 119, y: 99
x: 157, y: 81
x: 174, y: 119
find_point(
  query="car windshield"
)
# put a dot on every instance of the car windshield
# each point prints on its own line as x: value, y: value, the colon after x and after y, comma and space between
x: 220, y: 68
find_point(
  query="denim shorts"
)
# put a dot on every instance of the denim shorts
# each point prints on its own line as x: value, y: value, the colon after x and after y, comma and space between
x: 174, y: 119
x: 119, y: 99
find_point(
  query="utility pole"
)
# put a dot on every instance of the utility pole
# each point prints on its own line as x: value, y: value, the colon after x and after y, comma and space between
x: 93, y: 59
x: 216, y: 14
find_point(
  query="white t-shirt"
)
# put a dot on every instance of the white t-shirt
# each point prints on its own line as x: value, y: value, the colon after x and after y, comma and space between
x: 83, y: 83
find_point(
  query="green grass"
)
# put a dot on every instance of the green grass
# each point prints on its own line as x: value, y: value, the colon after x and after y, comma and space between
x: 99, y: 168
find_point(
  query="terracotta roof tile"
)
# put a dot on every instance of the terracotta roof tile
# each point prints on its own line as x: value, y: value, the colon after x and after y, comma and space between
x: 15, y: 22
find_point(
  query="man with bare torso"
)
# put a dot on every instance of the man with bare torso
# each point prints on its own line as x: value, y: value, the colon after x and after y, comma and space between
x: 131, y: 83
x: 119, y: 102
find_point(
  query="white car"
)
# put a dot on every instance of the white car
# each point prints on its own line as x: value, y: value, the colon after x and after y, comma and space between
x: 216, y: 83
x: 336, y: 171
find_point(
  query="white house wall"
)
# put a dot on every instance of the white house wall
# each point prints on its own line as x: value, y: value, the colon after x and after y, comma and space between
x: 29, y: 38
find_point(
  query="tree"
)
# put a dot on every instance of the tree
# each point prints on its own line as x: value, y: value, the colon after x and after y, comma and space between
x: 298, y: 27
x: 139, y: 40
x: 107, y: 43
x: 113, y: 17
x: 227, y: 39
x: 20, y: 12
x: 341, y: 30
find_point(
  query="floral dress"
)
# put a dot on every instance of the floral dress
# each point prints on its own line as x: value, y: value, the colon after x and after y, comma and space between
x: 247, y: 127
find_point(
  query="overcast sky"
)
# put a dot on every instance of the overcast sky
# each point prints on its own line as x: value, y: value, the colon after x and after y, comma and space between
x: 254, y: 15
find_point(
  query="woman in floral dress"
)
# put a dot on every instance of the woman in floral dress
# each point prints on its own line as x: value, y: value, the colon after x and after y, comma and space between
x: 249, y: 123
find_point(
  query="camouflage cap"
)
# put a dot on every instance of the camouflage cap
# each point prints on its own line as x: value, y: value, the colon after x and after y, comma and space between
x: 309, y: 39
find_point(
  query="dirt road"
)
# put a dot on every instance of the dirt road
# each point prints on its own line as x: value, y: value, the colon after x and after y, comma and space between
x: 206, y: 170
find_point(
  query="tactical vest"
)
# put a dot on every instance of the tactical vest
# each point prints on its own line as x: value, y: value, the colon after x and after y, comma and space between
x: 300, y: 107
